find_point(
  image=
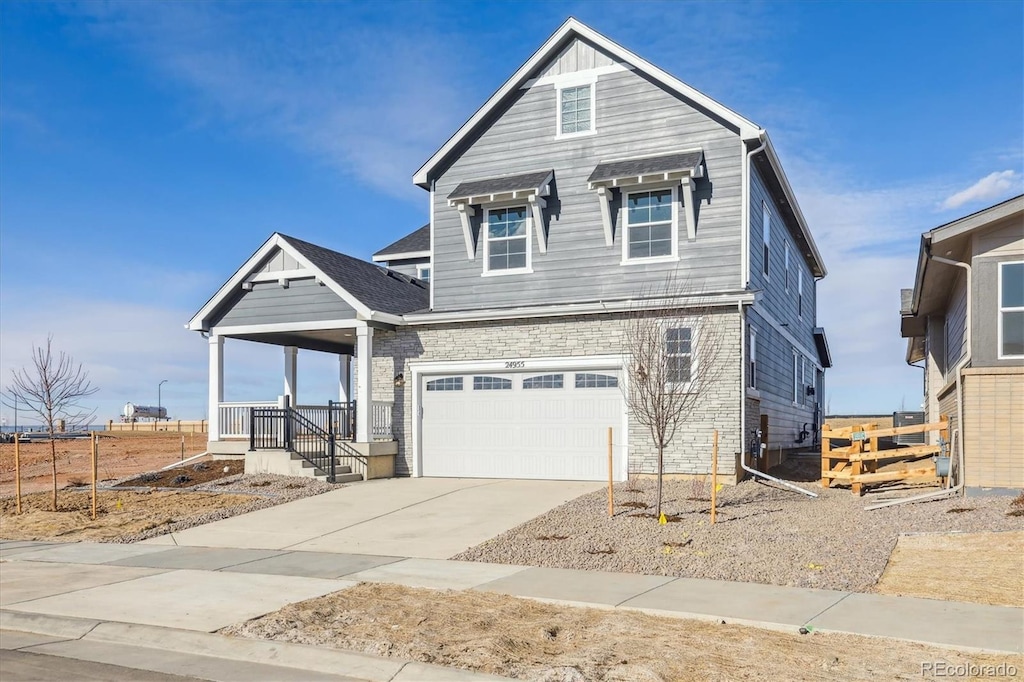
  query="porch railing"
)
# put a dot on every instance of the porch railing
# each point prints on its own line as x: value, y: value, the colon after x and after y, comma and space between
x: 338, y: 418
x: 286, y: 428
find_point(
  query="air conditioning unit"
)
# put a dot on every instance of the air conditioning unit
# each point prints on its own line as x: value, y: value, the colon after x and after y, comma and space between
x: 908, y: 419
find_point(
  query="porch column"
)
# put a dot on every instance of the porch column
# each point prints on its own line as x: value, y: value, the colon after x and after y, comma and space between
x: 344, y: 378
x: 291, y: 356
x: 216, y: 395
x: 364, y: 384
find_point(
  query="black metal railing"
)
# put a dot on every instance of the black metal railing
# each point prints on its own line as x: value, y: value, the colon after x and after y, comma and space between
x: 311, y: 433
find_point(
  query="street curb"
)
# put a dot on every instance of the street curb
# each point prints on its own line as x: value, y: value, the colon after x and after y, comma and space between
x: 265, y: 652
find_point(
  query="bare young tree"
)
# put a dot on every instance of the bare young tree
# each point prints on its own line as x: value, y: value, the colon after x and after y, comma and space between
x: 52, y: 388
x: 675, y: 344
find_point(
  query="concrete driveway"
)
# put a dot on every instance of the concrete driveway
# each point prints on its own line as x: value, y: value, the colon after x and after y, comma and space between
x: 430, y: 518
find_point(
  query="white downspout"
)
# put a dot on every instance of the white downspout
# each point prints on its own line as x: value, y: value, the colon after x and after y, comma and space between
x: 959, y: 431
x: 745, y: 212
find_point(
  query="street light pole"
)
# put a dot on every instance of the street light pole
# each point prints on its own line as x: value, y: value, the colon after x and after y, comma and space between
x: 158, y: 403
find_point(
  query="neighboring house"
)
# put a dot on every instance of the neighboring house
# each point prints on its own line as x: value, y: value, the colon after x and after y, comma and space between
x: 964, y: 319
x: 556, y: 211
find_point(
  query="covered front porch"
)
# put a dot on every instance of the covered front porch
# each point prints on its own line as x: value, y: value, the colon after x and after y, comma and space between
x: 297, y: 296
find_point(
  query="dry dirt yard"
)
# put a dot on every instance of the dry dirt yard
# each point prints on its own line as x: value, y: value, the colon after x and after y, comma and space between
x: 529, y: 640
x: 764, y: 534
x: 139, y: 512
x: 120, y: 455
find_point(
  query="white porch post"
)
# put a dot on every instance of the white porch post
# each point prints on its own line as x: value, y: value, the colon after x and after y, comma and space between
x: 344, y: 378
x: 291, y: 356
x: 364, y: 384
x: 216, y: 395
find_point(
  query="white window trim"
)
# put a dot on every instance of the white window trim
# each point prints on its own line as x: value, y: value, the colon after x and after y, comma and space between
x: 796, y: 378
x: 673, y: 229
x: 424, y: 267
x: 1001, y: 310
x: 693, y: 385
x: 585, y: 79
x: 487, y: 239
x: 800, y: 294
x: 786, y: 246
x: 752, y: 360
x: 766, y: 238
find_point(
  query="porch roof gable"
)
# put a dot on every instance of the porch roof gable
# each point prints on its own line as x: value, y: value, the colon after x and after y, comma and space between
x: 372, y: 291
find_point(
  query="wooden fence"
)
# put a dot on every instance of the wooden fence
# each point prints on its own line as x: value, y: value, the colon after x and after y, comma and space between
x: 858, y: 463
x: 169, y: 425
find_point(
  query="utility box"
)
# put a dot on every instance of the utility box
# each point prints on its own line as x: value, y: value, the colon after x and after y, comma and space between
x: 908, y: 419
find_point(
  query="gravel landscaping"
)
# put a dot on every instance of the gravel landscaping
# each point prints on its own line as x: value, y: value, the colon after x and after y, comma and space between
x: 763, y: 535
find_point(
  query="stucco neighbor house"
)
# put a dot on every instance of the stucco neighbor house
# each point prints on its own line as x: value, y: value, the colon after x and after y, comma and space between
x: 489, y: 342
x: 964, y: 320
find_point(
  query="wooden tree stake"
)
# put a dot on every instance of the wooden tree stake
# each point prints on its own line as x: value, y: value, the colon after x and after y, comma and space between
x: 93, y: 438
x: 714, y: 474
x: 611, y: 494
x: 17, y: 469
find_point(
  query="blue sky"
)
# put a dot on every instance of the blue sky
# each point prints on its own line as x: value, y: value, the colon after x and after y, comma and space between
x: 147, y: 149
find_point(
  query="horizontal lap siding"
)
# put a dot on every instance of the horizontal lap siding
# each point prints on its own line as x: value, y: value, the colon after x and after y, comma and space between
x: 634, y: 118
x: 956, y: 325
x: 270, y: 303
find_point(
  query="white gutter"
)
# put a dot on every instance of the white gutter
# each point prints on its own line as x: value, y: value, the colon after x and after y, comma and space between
x: 745, y: 210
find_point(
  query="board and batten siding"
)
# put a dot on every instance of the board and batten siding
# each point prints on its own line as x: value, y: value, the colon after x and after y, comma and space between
x: 578, y: 55
x: 634, y: 117
x: 303, y: 300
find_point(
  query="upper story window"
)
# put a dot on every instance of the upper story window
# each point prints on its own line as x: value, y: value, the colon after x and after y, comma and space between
x: 787, y: 267
x: 507, y: 240
x: 1011, y: 310
x: 799, y: 293
x: 423, y: 272
x: 679, y: 354
x: 651, y: 219
x: 576, y: 109
x: 766, y: 234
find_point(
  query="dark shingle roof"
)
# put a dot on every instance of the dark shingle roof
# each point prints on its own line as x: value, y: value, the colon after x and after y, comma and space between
x: 631, y: 168
x: 508, y: 183
x: 376, y: 287
x: 414, y: 242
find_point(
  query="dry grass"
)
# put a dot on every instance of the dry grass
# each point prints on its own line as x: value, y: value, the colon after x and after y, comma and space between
x: 529, y: 640
x: 119, y: 513
x: 987, y: 568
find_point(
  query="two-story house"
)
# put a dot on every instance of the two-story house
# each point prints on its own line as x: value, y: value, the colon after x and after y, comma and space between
x: 586, y: 181
x: 964, y: 325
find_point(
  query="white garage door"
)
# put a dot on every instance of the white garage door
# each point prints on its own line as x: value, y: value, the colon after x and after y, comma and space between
x: 546, y: 425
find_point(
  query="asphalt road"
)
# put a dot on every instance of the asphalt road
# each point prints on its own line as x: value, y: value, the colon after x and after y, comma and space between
x: 23, y: 666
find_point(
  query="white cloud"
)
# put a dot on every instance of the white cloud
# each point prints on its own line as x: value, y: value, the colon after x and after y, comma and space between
x: 992, y: 186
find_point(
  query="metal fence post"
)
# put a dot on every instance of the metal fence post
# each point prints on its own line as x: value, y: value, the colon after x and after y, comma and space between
x: 252, y: 429
x: 330, y: 440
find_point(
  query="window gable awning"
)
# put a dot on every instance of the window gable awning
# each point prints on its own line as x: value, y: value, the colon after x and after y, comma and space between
x: 507, y: 187
x: 681, y: 167
x: 648, y: 169
x: 531, y: 187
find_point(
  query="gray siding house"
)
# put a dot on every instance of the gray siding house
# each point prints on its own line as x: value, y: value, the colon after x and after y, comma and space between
x: 964, y: 325
x: 561, y: 208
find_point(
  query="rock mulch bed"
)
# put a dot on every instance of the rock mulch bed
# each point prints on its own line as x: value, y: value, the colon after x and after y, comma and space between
x: 763, y: 535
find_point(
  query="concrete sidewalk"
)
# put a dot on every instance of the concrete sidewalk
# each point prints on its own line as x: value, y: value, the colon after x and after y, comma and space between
x: 201, y: 589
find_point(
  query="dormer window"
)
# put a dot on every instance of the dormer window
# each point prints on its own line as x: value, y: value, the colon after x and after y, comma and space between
x: 576, y: 109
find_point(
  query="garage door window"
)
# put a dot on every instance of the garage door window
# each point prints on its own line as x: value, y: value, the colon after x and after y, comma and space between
x: 446, y: 384
x: 543, y: 381
x: 596, y: 381
x: 491, y: 384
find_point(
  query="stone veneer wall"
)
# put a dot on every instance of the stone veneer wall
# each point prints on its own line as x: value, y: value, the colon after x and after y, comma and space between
x: 690, y: 451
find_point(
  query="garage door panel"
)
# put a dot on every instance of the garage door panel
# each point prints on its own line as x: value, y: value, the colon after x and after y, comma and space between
x: 551, y: 430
